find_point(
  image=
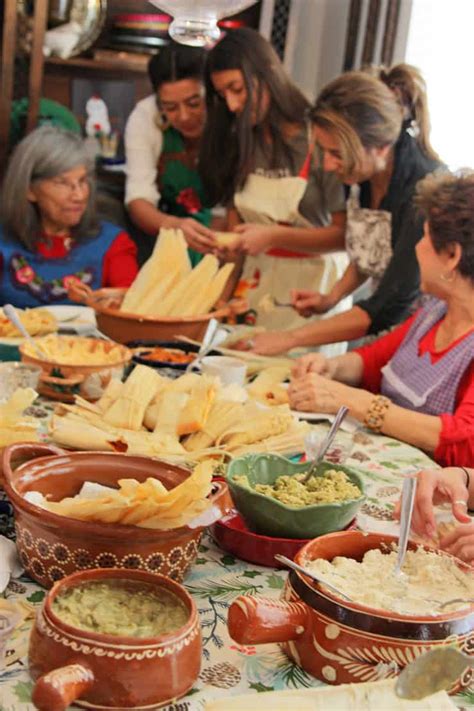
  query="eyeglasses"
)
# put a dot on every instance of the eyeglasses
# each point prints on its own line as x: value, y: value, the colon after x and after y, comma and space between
x: 69, y: 187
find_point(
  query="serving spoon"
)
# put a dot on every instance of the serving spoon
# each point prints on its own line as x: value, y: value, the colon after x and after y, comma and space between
x: 11, y: 314
x: 432, y: 671
x: 206, y: 345
x: 299, y: 568
x: 408, y: 500
x: 326, y: 443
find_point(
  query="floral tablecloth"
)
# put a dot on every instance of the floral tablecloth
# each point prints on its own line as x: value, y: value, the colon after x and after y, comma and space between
x: 217, y: 578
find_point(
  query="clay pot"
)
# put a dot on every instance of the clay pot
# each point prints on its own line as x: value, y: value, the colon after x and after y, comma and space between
x: 124, y: 327
x: 53, y: 546
x: 63, y: 382
x: 107, y: 671
x: 343, y: 642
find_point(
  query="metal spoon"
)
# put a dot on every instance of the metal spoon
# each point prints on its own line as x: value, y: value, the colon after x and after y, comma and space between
x: 11, y: 314
x: 408, y: 500
x: 432, y: 671
x: 206, y: 344
x: 326, y: 443
x: 295, y: 566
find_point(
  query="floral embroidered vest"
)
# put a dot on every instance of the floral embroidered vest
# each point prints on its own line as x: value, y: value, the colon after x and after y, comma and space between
x: 28, y: 279
x: 179, y: 184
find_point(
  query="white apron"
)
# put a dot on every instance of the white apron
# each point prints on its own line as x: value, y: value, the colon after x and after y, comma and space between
x: 267, y: 201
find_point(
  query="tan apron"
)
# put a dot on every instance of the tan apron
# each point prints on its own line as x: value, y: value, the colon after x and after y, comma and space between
x: 264, y: 200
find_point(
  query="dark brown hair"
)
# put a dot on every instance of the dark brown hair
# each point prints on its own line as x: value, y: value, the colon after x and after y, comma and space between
x: 447, y: 201
x: 229, y: 140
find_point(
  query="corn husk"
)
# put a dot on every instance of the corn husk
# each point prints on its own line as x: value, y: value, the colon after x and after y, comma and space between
x: 137, y: 393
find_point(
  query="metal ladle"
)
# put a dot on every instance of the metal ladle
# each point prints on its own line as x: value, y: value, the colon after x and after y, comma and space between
x: 326, y: 443
x: 295, y: 566
x: 432, y: 671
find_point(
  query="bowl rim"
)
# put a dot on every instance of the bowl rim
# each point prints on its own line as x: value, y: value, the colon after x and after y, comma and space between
x: 366, y: 610
x: 42, y: 362
x: 106, y: 530
x: 162, y: 581
x: 286, y: 507
x: 94, y: 302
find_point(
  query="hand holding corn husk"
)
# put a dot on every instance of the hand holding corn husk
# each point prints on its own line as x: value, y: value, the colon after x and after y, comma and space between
x: 167, y: 286
x: 14, y: 425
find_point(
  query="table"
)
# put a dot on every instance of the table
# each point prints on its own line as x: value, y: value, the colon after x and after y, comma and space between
x: 217, y: 578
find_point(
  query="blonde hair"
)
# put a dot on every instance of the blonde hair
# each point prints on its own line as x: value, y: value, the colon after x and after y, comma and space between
x: 409, y: 86
x: 362, y: 112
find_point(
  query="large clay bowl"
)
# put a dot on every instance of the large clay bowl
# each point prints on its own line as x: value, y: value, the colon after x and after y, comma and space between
x: 124, y: 327
x: 53, y: 546
x: 104, y: 671
x: 60, y: 381
x: 343, y: 642
x: 267, y: 516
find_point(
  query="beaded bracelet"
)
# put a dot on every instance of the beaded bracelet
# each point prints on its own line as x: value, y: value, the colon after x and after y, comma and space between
x: 375, y: 415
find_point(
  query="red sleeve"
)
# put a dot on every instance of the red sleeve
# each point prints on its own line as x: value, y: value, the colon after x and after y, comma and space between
x: 375, y: 355
x: 120, y: 262
x: 456, y: 441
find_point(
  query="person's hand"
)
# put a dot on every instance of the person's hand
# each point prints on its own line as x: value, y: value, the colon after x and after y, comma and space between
x: 460, y: 543
x: 313, y: 363
x: 307, y: 302
x: 197, y: 236
x: 230, y: 254
x: 269, y: 343
x: 255, y: 239
x: 315, y: 393
x: 437, y: 486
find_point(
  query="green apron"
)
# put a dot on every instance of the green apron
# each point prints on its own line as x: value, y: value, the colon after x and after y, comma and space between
x: 179, y: 184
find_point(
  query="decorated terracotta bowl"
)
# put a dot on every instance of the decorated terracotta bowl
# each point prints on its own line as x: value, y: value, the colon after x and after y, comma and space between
x: 104, y: 671
x: 344, y: 642
x: 60, y: 381
x: 53, y: 546
x: 270, y: 517
x: 124, y: 327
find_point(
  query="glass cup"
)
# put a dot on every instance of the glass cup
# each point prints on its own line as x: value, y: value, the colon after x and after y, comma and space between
x: 15, y: 375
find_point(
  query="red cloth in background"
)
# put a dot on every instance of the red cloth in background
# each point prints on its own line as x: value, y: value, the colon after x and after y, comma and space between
x: 456, y: 442
x: 120, y: 265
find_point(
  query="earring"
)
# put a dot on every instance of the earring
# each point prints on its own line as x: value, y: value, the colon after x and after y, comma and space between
x: 447, y: 277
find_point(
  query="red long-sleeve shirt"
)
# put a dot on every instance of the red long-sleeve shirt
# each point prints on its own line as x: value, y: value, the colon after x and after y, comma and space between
x: 120, y: 265
x: 456, y: 440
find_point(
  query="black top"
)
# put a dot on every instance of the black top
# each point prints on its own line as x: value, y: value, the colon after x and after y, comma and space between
x: 399, y: 286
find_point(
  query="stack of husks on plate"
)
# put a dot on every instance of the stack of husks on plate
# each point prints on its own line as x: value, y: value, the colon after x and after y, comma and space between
x: 167, y: 285
x: 188, y: 418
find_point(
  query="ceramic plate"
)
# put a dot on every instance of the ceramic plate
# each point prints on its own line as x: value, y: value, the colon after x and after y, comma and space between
x: 232, y: 534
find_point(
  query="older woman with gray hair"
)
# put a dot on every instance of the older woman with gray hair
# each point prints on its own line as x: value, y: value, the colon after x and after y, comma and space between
x: 50, y: 236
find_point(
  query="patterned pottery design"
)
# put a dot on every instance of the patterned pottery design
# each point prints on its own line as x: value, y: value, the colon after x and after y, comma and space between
x: 344, y: 642
x: 52, y: 546
x: 109, y: 672
x: 47, y: 561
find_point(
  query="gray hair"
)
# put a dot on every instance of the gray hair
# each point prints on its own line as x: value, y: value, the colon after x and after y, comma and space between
x: 45, y: 153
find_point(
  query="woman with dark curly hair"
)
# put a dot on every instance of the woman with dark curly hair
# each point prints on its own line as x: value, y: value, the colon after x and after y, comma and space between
x: 417, y: 382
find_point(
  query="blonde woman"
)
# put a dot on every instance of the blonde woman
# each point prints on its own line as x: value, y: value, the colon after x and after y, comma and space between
x: 362, y: 129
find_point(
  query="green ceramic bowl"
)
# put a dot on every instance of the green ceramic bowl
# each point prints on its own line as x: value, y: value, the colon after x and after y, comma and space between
x: 270, y: 517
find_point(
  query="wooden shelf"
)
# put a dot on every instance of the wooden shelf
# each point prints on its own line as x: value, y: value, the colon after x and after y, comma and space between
x: 122, y: 61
